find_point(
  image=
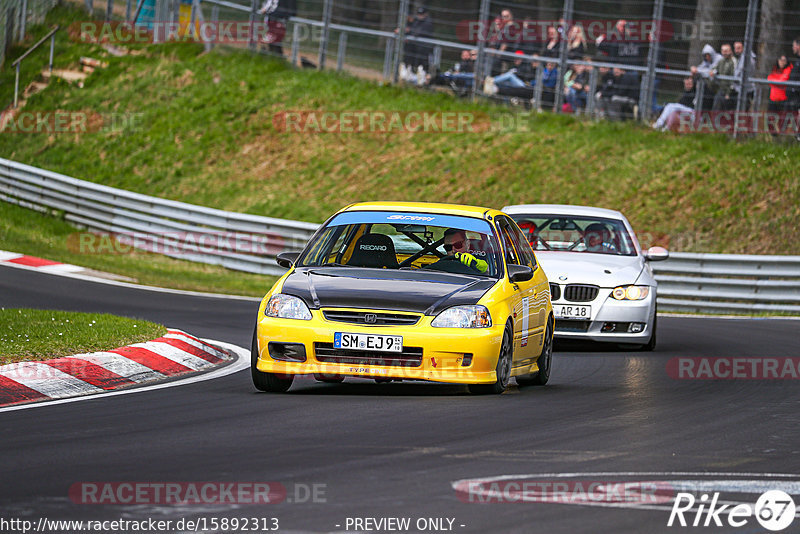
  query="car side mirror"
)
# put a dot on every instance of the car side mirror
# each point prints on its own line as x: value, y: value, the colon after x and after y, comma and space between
x: 656, y: 254
x: 287, y: 259
x: 519, y: 273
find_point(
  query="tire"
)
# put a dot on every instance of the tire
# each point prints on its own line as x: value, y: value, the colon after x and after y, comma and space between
x: 329, y: 379
x: 503, y: 368
x: 651, y: 343
x: 545, y: 362
x: 270, y: 382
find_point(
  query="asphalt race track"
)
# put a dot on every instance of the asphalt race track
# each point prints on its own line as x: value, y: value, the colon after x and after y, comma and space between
x: 395, y: 450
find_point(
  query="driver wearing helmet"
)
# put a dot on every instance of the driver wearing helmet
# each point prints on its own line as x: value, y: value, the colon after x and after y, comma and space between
x: 597, y: 238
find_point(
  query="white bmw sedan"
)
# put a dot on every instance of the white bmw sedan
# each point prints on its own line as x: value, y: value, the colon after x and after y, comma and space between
x: 601, y: 283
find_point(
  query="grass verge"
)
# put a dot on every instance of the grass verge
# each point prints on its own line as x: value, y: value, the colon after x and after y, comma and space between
x: 42, y: 334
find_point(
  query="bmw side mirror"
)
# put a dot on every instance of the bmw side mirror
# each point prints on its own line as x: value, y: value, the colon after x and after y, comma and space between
x: 519, y: 273
x: 287, y: 259
x: 656, y: 254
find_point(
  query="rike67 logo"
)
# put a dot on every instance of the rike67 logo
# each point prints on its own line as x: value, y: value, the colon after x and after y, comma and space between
x: 774, y: 510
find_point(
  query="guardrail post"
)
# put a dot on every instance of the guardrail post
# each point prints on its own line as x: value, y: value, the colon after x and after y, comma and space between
x: 253, y: 13
x: 437, y: 58
x: 109, y: 9
x: 52, y: 51
x: 480, y: 61
x: 538, y: 86
x: 698, y: 107
x: 127, y: 9
x: 752, y: 11
x: 23, y: 20
x: 323, y: 41
x: 649, y: 81
x: 342, y: 51
x: 562, y: 56
x: 16, y: 87
x: 89, y: 6
x: 592, y: 90
x: 387, y: 58
x: 399, y: 43
x: 295, y: 42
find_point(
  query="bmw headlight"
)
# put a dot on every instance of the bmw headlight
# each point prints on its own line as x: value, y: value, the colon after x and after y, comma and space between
x: 630, y: 292
x: 287, y: 307
x: 463, y: 317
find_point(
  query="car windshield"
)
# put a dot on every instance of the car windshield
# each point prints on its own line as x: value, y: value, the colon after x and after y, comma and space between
x: 576, y: 234
x: 402, y: 240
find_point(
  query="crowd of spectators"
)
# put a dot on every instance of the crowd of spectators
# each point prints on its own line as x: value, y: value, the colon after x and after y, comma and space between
x: 616, y: 96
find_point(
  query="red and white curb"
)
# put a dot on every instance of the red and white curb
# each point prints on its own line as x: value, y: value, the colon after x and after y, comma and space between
x: 38, y: 263
x: 176, y: 353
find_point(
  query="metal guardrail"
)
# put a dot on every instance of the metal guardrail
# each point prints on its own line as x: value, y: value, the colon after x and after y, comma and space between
x: 715, y: 283
x: 195, y: 233
x: 728, y: 283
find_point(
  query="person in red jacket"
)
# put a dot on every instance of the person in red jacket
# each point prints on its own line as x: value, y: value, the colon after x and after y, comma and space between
x: 777, y: 93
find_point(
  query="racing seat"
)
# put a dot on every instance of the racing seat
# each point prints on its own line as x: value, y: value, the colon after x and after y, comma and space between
x: 376, y: 251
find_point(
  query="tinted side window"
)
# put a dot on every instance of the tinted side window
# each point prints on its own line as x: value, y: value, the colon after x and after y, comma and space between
x: 523, y: 246
x: 507, y: 242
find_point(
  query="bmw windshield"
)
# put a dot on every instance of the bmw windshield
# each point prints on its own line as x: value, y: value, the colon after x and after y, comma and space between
x: 571, y: 233
x: 392, y: 240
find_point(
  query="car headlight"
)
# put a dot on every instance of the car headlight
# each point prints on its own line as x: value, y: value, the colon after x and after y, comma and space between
x: 287, y: 307
x: 630, y: 292
x: 463, y: 317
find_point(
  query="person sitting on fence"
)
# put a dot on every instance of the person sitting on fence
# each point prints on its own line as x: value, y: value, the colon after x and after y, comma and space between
x: 703, y: 70
x: 462, y: 76
x: 724, y: 97
x: 672, y: 111
x: 576, y: 85
x: 518, y: 76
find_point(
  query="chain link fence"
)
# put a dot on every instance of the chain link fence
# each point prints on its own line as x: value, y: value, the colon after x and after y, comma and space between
x: 18, y: 15
x: 624, y: 60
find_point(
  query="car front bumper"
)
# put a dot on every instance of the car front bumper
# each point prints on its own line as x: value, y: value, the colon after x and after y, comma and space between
x: 444, y: 350
x: 606, y: 309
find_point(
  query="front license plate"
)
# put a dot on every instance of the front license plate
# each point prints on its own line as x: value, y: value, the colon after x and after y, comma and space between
x: 373, y: 342
x: 572, y: 312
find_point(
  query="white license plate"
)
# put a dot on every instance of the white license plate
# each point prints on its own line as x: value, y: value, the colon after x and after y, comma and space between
x: 373, y: 342
x: 572, y: 312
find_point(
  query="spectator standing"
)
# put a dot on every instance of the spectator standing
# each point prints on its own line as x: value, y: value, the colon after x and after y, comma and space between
x: 276, y: 14
x: 621, y: 46
x: 781, y: 72
x: 551, y: 47
x: 422, y: 26
x: 576, y: 42
x: 793, y: 93
x: 703, y: 70
x: 738, y: 52
x: 724, y: 97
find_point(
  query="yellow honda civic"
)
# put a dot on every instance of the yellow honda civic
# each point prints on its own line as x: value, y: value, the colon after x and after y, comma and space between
x: 408, y: 291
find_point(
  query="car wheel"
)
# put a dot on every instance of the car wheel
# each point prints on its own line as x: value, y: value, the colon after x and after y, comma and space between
x: 545, y: 362
x: 503, y: 368
x: 329, y: 379
x: 271, y: 382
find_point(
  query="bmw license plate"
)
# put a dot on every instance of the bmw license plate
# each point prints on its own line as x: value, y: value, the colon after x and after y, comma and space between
x: 572, y: 312
x: 372, y: 342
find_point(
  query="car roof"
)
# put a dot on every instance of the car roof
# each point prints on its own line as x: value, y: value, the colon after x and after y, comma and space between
x: 424, y: 207
x: 561, y: 209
